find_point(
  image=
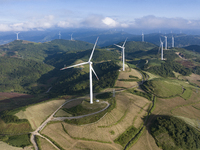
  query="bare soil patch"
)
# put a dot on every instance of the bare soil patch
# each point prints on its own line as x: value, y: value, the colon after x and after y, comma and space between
x: 36, y: 114
x: 45, y: 145
x: 7, y: 96
x: 125, y: 75
x: 55, y: 131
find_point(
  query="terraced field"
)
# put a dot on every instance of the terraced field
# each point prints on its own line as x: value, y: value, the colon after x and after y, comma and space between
x: 36, y: 114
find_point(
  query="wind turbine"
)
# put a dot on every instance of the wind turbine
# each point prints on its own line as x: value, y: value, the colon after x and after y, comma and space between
x: 123, y: 55
x: 59, y: 35
x: 161, y: 45
x: 71, y: 37
x: 165, y: 42
x: 142, y: 37
x: 17, y: 35
x: 91, y: 70
x: 172, y: 41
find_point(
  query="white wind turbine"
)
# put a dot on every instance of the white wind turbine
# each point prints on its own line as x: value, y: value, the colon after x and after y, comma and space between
x: 142, y: 37
x: 71, y: 37
x: 17, y: 35
x: 165, y: 42
x: 59, y: 35
x: 123, y: 55
x: 161, y: 46
x: 172, y: 41
x: 90, y: 73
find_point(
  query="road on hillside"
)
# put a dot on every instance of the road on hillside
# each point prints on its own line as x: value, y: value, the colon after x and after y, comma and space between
x: 52, y: 118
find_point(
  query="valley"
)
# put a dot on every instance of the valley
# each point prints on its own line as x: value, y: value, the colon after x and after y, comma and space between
x: 42, y: 107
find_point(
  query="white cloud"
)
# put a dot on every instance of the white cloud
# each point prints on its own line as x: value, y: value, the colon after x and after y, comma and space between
x: 163, y: 22
x: 99, y: 21
x: 109, y: 22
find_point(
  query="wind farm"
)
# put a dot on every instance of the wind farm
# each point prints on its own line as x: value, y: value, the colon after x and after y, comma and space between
x: 99, y: 75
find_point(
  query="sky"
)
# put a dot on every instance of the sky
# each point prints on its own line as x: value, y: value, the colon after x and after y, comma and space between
x: 26, y: 15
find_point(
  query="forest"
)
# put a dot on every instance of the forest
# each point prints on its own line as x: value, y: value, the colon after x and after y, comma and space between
x: 172, y: 133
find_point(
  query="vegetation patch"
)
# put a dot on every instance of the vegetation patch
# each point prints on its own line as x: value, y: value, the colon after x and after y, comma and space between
x: 164, y: 88
x: 85, y: 108
x: 186, y: 94
x: 125, y: 137
x: 148, y: 96
x: 17, y: 140
x: 104, y: 95
x: 95, y: 117
x: 172, y: 133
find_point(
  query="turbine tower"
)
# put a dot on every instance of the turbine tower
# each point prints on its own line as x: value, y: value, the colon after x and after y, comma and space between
x: 142, y: 37
x: 59, y: 35
x: 90, y: 69
x: 161, y: 45
x: 165, y: 42
x: 17, y: 35
x: 123, y: 55
x: 172, y: 41
x: 71, y: 37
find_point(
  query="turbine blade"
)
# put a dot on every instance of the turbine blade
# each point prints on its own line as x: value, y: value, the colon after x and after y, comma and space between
x: 93, y: 49
x: 94, y: 73
x: 118, y: 45
x: 74, y: 65
x: 124, y: 43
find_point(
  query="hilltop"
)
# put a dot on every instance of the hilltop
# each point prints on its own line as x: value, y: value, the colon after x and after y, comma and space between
x: 147, y: 93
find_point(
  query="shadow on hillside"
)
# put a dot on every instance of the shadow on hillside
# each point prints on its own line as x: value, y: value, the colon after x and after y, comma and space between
x: 148, y: 122
x: 19, y: 101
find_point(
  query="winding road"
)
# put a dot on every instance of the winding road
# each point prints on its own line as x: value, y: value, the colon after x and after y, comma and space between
x: 52, y: 118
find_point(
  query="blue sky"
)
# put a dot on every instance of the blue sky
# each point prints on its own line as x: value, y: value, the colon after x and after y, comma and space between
x: 23, y: 15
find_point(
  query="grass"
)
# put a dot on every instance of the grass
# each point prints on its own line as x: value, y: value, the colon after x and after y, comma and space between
x: 186, y: 94
x: 37, y: 113
x: 164, y: 88
x: 124, y: 138
x: 92, y: 118
x: 17, y: 140
x: 148, y: 96
x: 14, y: 128
x: 85, y: 108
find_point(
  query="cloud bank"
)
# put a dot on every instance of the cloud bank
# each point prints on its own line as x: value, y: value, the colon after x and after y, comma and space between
x: 99, y: 21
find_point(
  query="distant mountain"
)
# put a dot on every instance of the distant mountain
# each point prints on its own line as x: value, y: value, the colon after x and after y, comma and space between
x: 106, y: 37
x: 194, y: 48
x: 39, y: 51
x: 180, y: 40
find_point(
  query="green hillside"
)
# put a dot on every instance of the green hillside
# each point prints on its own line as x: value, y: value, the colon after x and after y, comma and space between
x: 39, y: 51
x: 21, y: 75
x: 172, y: 133
x: 76, y: 80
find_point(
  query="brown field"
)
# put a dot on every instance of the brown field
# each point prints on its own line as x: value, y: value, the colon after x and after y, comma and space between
x: 12, y: 100
x: 164, y: 107
x: 128, y: 106
x: 125, y: 75
x: 36, y: 114
x: 5, y: 146
x: 44, y: 144
x: 56, y: 132
x: 6, y: 96
x: 194, y: 78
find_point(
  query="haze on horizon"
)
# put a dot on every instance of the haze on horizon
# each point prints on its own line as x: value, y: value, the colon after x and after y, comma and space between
x: 26, y: 15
